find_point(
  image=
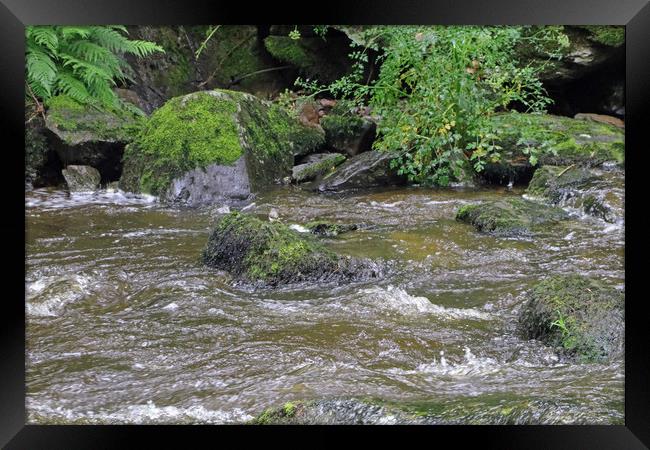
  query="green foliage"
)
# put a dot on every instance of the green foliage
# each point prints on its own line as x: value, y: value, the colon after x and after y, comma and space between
x: 81, y: 62
x: 437, y: 88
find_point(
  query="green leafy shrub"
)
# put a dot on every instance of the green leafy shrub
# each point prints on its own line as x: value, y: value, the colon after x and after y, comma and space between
x: 437, y: 88
x: 81, y: 62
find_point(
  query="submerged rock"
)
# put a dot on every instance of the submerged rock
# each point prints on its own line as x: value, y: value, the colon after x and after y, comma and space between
x: 81, y: 178
x: 315, y: 166
x: 83, y: 135
x: 214, y: 146
x: 592, y: 191
x: 510, y: 216
x: 581, y: 317
x: 270, y: 253
x: 329, y: 229
x: 367, y: 169
x: 558, y: 140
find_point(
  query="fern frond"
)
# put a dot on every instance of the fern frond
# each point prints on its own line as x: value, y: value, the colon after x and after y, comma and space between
x: 44, y: 36
x: 41, y: 71
x: 69, y: 85
x: 72, y: 32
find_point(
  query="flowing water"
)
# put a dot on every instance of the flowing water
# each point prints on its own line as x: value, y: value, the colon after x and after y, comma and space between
x: 124, y: 325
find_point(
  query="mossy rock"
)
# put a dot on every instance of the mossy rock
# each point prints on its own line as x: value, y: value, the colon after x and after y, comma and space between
x: 349, y: 133
x: 214, y: 144
x: 368, y: 169
x: 313, y: 56
x: 84, y: 135
x: 270, y: 253
x: 316, y: 167
x: 42, y: 164
x: 559, y: 140
x: 511, y: 216
x: 329, y: 229
x: 581, y: 317
x: 581, y: 188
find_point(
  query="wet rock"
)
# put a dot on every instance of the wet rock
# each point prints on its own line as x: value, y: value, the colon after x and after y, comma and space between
x: 601, y: 118
x: 329, y: 229
x: 271, y: 254
x: 349, y: 133
x: 336, y: 412
x: 214, y: 146
x: 82, y: 135
x: 315, y: 166
x: 583, y: 318
x: 367, y: 169
x: 81, y: 178
x: 592, y: 191
x: 512, y: 216
x: 557, y: 140
x: 42, y: 164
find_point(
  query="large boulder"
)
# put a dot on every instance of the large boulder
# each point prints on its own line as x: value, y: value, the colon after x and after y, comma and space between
x: 368, y: 169
x: 83, y: 135
x: 42, y: 164
x: 315, y: 166
x: 212, y: 146
x: 81, y: 178
x: 511, y: 216
x: 583, y: 318
x: 595, y: 192
x: 557, y: 140
x: 270, y: 253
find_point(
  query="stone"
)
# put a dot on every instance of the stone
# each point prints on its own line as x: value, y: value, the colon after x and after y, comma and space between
x: 315, y: 166
x: 81, y: 178
x: 368, y: 169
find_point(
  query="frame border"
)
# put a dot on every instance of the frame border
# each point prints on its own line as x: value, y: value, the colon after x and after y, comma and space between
x: 635, y: 14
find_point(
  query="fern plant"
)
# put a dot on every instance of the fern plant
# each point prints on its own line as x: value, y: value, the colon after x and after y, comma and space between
x: 81, y: 62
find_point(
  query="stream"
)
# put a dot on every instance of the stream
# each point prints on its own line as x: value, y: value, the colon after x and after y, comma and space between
x: 124, y: 325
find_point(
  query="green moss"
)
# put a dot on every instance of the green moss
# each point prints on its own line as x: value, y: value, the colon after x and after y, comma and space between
x: 290, y: 51
x: 339, y: 127
x: 267, y: 252
x: 559, y: 140
x: 609, y: 35
x: 509, y: 216
x: 83, y: 122
x: 581, y: 317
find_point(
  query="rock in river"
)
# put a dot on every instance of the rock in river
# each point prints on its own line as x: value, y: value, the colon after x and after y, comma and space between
x: 81, y: 178
x: 512, y: 216
x: 270, y: 253
x: 315, y: 166
x: 583, y: 318
x: 367, y: 169
x: 214, y: 146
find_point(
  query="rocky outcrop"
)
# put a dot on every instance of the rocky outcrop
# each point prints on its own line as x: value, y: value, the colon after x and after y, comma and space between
x: 271, y: 254
x: 583, y: 318
x: 365, y: 170
x: 595, y: 192
x: 81, y: 178
x: 509, y: 217
x: 214, y: 146
x: 556, y: 140
x: 315, y: 166
x: 83, y: 135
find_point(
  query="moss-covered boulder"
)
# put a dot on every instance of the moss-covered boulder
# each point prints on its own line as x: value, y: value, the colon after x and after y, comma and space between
x: 368, y: 169
x: 511, y: 216
x: 314, y: 57
x: 270, y: 253
x: 349, y: 133
x: 581, y: 317
x: 595, y: 192
x: 316, y: 166
x: 329, y: 229
x: 42, y: 164
x: 84, y: 135
x: 556, y: 140
x: 214, y: 145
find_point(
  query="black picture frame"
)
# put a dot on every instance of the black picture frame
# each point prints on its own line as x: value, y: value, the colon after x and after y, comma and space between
x: 16, y: 14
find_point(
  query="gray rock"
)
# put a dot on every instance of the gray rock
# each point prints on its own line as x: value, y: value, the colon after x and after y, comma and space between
x: 368, y: 169
x: 81, y: 178
x: 316, y: 165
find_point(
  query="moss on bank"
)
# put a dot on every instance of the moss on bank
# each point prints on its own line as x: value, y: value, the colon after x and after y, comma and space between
x: 581, y: 317
x: 559, y: 140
